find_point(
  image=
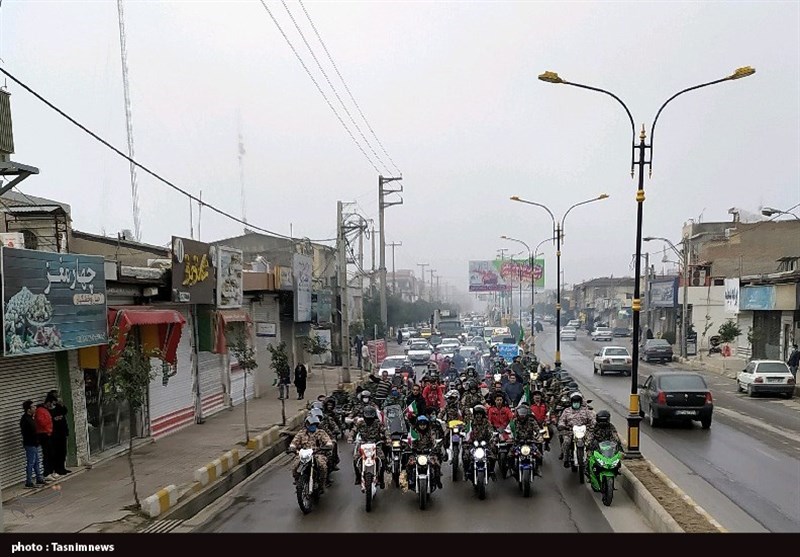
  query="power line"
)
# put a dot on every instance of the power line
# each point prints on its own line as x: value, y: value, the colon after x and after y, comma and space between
x: 335, y: 92
x: 324, y: 96
x: 141, y: 166
x: 352, y: 98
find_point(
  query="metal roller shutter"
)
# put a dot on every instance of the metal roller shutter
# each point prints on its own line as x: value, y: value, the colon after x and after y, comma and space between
x: 21, y: 378
x: 212, y: 393
x: 237, y: 382
x: 172, y: 406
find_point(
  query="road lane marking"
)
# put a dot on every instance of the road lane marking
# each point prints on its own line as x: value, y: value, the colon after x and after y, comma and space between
x: 757, y: 423
x: 766, y: 454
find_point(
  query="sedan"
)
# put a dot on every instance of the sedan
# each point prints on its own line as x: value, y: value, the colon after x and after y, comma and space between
x: 419, y: 352
x: 569, y: 333
x: 681, y: 395
x: 656, y: 349
x: 766, y: 376
x: 612, y: 358
x: 602, y: 333
x: 621, y: 332
x: 391, y: 364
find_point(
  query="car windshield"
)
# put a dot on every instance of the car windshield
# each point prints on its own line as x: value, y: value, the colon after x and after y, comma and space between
x: 419, y: 346
x: 657, y: 342
x: 772, y: 367
x: 568, y: 330
x: 608, y: 448
x: 682, y: 383
x: 617, y: 352
x: 392, y: 362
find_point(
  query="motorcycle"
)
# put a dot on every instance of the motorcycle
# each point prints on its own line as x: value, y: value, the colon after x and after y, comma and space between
x: 370, y: 469
x: 422, y: 483
x: 396, y: 427
x: 578, y: 448
x: 456, y: 428
x: 503, y: 449
x: 479, y: 470
x: 604, y: 465
x: 309, y: 483
x: 525, y: 455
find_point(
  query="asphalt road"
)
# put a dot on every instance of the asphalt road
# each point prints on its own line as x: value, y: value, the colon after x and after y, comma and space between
x: 750, y: 454
x: 268, y: 504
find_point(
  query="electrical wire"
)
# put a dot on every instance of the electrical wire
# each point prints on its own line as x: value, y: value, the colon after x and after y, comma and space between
x: 144, y: 168
x: 335, y: 92
x: 313, y: 79
x: 352, y: 98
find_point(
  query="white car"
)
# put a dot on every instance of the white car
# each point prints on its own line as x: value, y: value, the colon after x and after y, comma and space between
x: 405, y: 333
x: 391, y: 364
x: 451, y: 340
x: 574, y: 323
x: 419, y: 351
x: 613, y: 358
x: 569, y: 333
x: 603, y: 333
x: 766, y: 376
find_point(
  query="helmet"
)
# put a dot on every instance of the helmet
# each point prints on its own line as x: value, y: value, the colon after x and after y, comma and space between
x: 370, y: 413
x: 423, y: 420
x: 478, y: 410
x: 316, y: 412
x: 576, y: 397
x: 317, y: 405
x: 472, y: 385
x: 451, y: 395
x: 572, y: 386
x: 365, y: 395
x: 523, y: 412
x: 312, y: 420
x: 603, y: 417
x: 330, y: 401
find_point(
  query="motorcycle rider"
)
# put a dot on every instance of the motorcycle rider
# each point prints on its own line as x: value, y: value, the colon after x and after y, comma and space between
x: 481, y: 430
x: 576, y: 414
x: 340, y: 396
x: 415, y: 397
x: 394, y: 398
x: 370, y: 431
x: 514, y: 390
x: 526, y: 429
x: 451, y: 411
x: 603, y: 430
x: 459, y: 362
x: 539, y: 410
x: 433, y: 394
x: 312, y: 437
x: 471, y: 397
x: 422, y: 438
x: 517, y: 368
x: 383, y: 386
x: 500, y: 415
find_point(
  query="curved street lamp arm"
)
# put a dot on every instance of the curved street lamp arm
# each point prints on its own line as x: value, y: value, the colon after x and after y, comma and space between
x: 612, y: 95
x: 578, y: 205
x: 518, y: 241
x: 678, y: 252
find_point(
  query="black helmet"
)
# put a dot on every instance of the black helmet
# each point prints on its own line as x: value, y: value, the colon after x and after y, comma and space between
x: 572, y: 386
x: 603, y: 417
x: 523, y: 412
x: 330, y: 401
x: 370, y: 413
x: 472, y: 385
x: 478, y: 410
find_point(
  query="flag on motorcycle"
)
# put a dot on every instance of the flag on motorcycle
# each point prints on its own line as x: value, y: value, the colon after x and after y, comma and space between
x: 512, y: 426
x: 412, y: 410
x: 521, y: 335
x: 413, y: 435
x: 526, y: 394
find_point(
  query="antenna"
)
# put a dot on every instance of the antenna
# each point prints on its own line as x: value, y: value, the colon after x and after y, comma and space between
x: 137, y: 227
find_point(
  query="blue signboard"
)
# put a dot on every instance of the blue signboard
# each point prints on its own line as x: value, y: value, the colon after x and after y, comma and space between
x: 52, y: 301
x: 508, y: 351
x: 757, y: 298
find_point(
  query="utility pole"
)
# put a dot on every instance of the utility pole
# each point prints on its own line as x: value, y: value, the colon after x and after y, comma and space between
x: 361, y: 273
x: 394, y: 276
x: 382, y: 205
x: 430, y: 290
x: 422, y: 288
x: 341, y: 281
x: 503, y: 299
x: 372, y: 275
x: 439, y: 292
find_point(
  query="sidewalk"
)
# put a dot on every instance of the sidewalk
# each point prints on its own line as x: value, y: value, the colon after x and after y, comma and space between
x: 96, y: 499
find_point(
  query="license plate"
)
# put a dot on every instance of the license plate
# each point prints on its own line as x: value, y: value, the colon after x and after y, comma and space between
x: 685, y: 412
x: 774, y: 380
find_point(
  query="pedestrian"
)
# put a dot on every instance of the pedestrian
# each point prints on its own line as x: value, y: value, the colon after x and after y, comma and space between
x: 44, y: 431
x: 794, y: 360
x: 60, y: 434
x: 30, y: 442
x: 358, y: 345
x: 284, y: 380
x: 300, y: 376
x: 365, y: 358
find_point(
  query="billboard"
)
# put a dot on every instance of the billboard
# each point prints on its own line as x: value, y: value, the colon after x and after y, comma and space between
x: 732, y: 296
x: 230, y: 285
x: 193, y: 274
x: 664, y: 293
x: 324, y: 306
x: 52, y: 301
x: 484, y: 277
x: 514, y: 271
x: 757, y: 298
x: 301, y: 273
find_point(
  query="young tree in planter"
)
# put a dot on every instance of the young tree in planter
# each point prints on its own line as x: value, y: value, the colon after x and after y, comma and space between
x: 129, y: 381
x: 247, y: 361
x: 728, y: 331
x: 280, y: 363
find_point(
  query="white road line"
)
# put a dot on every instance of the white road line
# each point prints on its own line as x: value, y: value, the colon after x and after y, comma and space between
x: 766, y: 454
x: 757, y: 423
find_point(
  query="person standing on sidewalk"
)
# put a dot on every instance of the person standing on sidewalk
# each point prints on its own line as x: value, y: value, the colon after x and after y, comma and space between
x: 284, y: 380
x: 30, y: 441
x: 60, y: 434
x: 794, y: 360
x: 365, y: 358
x: 359, y: 344
x: 300, y: 376
x: 44, y: 431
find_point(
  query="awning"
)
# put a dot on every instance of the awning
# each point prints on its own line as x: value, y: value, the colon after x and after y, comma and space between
x: 224, y: 318
x: 167, y: 325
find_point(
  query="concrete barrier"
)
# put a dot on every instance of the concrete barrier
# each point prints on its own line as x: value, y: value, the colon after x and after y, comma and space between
x: 651, y: 509
x: 161, y: 501
x: 216, y: 468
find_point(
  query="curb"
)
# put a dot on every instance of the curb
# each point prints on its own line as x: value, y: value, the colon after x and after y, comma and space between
x: 700, y: 510
x: 214, y: 469
x: 264, y: 439
x: 161, y: 501
x: 651, y: 509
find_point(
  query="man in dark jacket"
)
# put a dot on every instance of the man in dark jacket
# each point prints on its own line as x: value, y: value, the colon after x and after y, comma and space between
x: 300, y: 376
x: 416, y: 396
x: 30, y: 441
x: 513, y: 390
x: 60, y: 434
x: 382, y: 388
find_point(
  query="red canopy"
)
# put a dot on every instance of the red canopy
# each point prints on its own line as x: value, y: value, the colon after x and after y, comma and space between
x: 169, y: 321
x: 224, y: 318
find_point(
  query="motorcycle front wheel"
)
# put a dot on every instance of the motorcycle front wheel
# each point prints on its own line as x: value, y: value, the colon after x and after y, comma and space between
x: 368, y: 490
x: 581, y: 466
x: 503, y: 466
x: 304, y: 499
x: 525, y: 481
x: 481, y: 485
x: 422, y: 493
x: 455, y: 462
x: 608, y: 490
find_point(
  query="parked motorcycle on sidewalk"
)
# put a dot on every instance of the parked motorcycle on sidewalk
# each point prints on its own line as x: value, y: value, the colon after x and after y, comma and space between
x: 603, y: 468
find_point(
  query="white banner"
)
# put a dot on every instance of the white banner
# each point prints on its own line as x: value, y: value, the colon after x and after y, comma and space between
x: 732, y: 296
x: 302, y: 266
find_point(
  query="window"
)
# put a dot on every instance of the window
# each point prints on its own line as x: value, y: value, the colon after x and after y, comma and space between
x: 683, y: 383
x: 31, y: 240
x: 616, y: 352
x: 773, y: 367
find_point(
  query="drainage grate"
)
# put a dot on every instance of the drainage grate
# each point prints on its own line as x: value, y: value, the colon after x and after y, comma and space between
x: 162, y: 527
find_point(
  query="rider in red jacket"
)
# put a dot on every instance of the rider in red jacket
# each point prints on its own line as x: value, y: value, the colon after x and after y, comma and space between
x: 433, y: 394
x: 500, y: 415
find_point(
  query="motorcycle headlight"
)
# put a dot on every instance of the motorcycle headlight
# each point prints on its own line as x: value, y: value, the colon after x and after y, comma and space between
x: 615, y: 462
x: 526, y: 450
x: 475, y: 443
x: 422, y: 460
x: 480, y: 453
x: 455, y: 430
x: 395, y: 444
x: 483, y: 443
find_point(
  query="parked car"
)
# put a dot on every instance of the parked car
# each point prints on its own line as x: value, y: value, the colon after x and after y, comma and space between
x: 621, y: 332
x: 656, y: 349
x: 766, y: 376
x: 391, y: 364
x: 602, y: 333
x: 613, y: 358
x: 682, y: 395
x: 569, y: 333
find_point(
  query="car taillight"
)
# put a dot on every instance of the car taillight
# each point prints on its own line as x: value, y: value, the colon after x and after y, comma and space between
x: 662, y: 397
x: 758, y: 380
x: 709, y: 398
x: 790, y: 381
x: 627, y: 360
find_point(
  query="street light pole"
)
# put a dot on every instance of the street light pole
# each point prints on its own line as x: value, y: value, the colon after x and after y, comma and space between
x: 551, y: 77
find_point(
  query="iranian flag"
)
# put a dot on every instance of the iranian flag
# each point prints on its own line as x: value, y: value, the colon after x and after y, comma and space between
x: 513, y: 427
x: 412, y: 410
x: 526, y: 394
x: 413, y: 435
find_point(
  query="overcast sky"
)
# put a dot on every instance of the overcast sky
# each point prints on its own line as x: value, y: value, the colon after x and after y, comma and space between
x: 450, y: 89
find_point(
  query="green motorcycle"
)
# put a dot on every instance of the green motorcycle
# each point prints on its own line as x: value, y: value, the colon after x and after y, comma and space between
x: 604, y: 464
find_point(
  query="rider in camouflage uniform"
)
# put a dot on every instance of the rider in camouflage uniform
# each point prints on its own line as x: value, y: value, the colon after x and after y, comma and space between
x: 603, y: 430
x: 470, y: 399
x: 312, y: 438
x: 577, y: 414
x: 370, y: 430
x: 423, y: 438
x: 481, y: 430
